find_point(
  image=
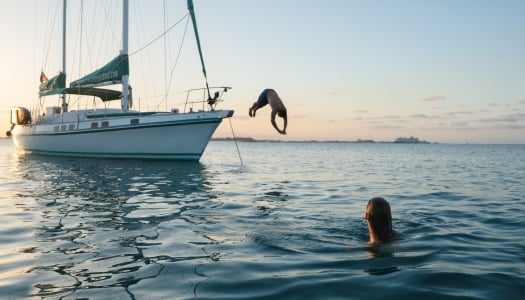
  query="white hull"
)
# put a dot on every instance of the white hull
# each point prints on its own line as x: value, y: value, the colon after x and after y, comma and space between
x: 130, y: 135
x: 110, y: 132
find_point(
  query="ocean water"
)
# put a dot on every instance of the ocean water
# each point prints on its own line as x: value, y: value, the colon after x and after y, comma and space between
x: 285, y: 224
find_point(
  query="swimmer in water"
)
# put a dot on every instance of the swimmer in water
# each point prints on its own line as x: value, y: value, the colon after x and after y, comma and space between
x: 269, y: 96
x: 379, y: 218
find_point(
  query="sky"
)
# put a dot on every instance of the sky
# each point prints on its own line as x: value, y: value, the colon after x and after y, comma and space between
x: 445, y: 71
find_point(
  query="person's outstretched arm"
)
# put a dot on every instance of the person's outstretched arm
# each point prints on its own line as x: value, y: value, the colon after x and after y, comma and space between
x: 274, y: 113
x: 285, y: 118
x: 252, y: 110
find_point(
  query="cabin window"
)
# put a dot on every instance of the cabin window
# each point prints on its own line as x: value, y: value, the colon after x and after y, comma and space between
x: 134, y: 122
x: 63, y: 127
x: 104, y: 124
x: 94, y: 125
x: 71, y: 127
x: 55, y: 128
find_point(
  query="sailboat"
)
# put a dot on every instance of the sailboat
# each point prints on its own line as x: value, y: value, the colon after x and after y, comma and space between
x: 117, y: 132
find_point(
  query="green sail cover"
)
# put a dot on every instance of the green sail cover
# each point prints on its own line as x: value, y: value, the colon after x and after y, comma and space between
x: 103, y: 94
x: 109, y: 74
x: 57, y: 86
x: 55, y: 83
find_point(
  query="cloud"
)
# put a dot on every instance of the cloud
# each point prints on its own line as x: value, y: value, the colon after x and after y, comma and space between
x: 498, y: 120
x: 511, y: 127
x: 460, y: 124
x: 502, y: 122
x: 386, y: 127
x: 386, y: 117
x: 517, y: 116
x: 241, y: 117
x: 419, y: 116
x: 512, y: 118
x: 425, y: 116
x: 433, y: 98
x: 370, y: 121
x: 452, y: 128
x: 400, y: 121
x: 522, y: 102
x: 300, y: 116
x: 454, y: 113
x: 362, y: 111
x: 379, y: 119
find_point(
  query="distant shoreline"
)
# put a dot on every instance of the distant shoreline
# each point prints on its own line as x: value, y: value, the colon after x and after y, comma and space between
x: 401, y: 140
x: 359, y: 141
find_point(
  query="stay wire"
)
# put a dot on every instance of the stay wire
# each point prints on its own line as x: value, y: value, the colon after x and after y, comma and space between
x: 161, y: 35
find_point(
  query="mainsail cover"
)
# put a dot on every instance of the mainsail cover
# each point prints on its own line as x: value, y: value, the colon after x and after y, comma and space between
x: 50, y: 86
x: 104, y: 94
x: 111, y: 73
x: 57, y: 86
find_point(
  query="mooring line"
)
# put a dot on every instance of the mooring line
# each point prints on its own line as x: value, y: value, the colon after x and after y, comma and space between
x: 235, y: 140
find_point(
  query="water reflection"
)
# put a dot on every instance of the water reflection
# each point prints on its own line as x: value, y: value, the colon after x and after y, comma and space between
x: 381, y: 257
x: 111, y: 224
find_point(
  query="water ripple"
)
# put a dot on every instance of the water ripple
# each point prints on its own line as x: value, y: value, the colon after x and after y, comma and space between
x: 286, y: 226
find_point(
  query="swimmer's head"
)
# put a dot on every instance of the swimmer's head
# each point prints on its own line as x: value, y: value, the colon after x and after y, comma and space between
x: 379, y: 219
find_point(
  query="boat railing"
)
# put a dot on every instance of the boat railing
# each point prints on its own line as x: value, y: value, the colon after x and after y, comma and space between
x: 204, y: 98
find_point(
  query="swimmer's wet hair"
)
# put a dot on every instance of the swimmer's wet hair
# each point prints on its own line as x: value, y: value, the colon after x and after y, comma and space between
x: 379, y: 216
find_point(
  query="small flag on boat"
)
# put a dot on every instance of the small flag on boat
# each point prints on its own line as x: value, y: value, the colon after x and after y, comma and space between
x: 43, y: 77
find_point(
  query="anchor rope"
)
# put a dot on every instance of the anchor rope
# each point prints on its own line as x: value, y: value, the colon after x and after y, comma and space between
x: 235, y: 140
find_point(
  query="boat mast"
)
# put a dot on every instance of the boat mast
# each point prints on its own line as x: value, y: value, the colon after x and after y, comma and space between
x: 63, y: 96
x: 194, y: 21
x: 125, y: 78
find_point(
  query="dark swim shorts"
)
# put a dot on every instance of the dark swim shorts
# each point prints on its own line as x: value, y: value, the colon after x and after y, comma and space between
x: 263, y: 98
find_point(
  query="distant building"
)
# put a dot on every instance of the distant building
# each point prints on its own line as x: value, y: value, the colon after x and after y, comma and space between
x: 365, y: 141
x: 410, y: 140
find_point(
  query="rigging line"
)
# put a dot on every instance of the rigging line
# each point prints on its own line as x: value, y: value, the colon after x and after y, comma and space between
x: 35, y: 30
x: 176, y: 60
x: 45, y: 58
x: 165, y: 52
x: 117, y: 38
x: 80, y: 40
x: 77, y: 44
x: 235, y: 139
x: 161, y: 35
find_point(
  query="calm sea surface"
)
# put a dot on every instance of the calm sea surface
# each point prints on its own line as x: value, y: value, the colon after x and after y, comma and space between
x: 288, y: 224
